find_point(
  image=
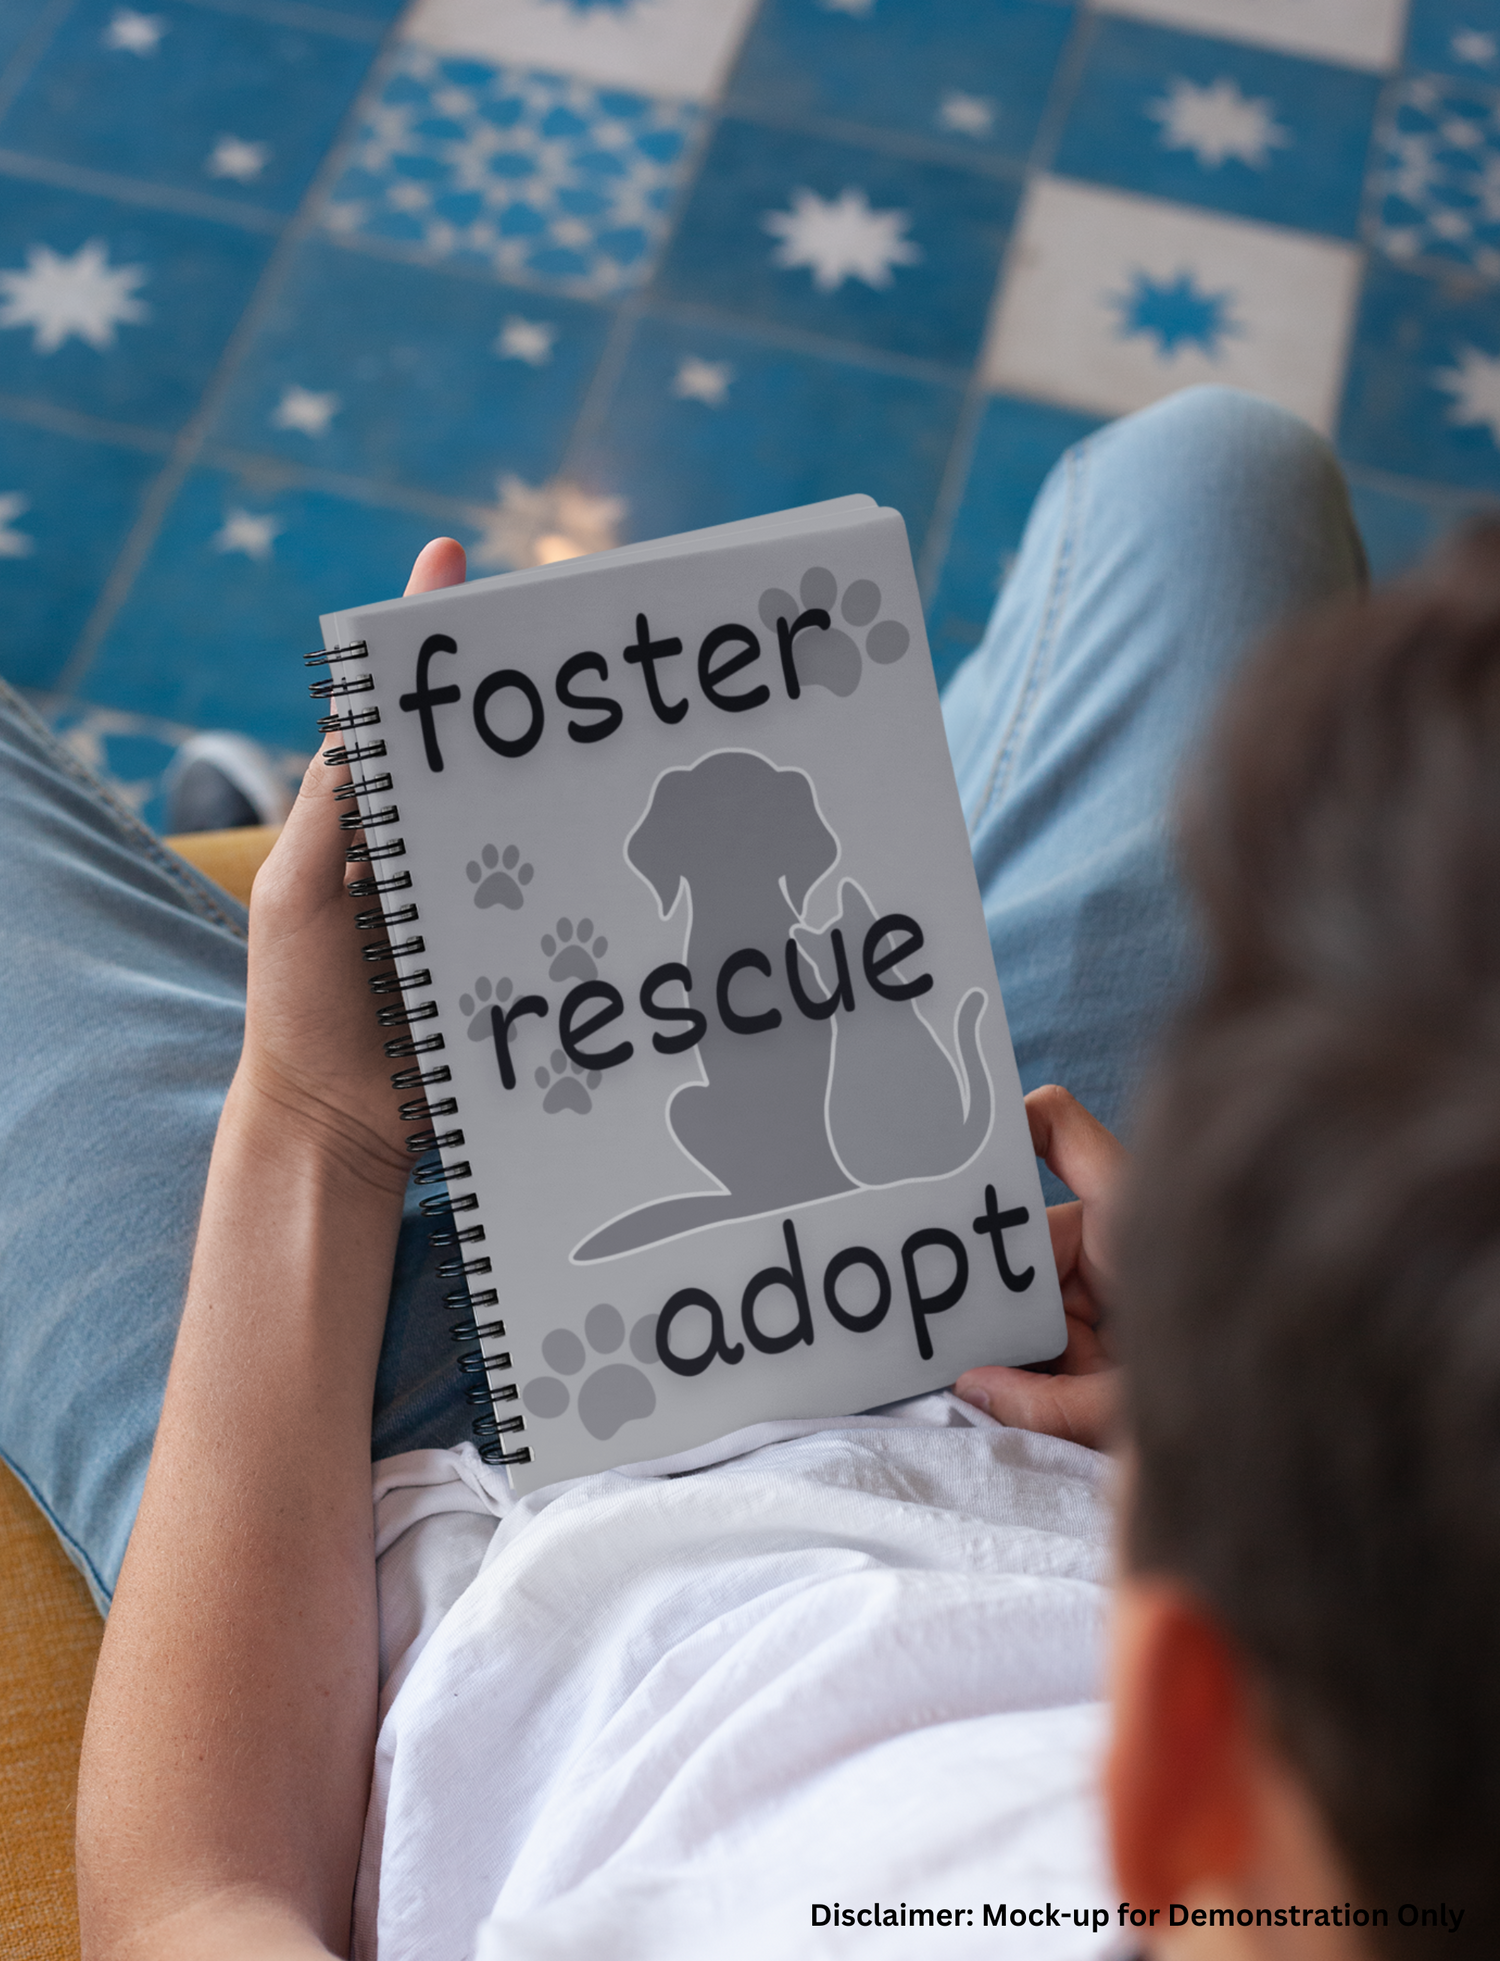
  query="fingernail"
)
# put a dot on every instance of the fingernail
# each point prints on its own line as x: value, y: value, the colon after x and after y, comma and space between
x: 976, y: 1398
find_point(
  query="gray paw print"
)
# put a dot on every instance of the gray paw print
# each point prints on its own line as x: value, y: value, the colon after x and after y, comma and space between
x: 611, y: 1396
x: 827, y: 657
x: 567, y: 1086
x: 478, y: 1004
x: 569, y: 950
x: 498, y: 877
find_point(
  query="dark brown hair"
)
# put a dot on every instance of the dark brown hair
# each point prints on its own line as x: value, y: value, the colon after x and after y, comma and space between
x: 1311, y: 1276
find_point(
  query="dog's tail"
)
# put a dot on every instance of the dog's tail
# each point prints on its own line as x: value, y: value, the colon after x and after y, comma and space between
x: 976, y: 1076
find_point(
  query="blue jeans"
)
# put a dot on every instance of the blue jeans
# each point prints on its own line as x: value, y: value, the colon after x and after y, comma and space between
x: 1158, y: 552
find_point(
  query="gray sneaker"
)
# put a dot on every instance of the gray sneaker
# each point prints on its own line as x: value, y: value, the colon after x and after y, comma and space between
x: 222, y: 782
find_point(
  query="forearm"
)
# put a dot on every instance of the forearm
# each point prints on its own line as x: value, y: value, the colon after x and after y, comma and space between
x: 227, y: 1757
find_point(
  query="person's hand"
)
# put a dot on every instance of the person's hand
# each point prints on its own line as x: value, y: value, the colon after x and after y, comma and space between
x: 312, y: 1048
x: 1076, y: 1395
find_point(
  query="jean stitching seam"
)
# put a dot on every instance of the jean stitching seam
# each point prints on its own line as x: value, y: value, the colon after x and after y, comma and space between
x: 1042, y: 649
x: 127, y: 822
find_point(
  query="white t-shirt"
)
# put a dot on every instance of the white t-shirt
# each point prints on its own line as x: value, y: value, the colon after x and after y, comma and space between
x: 667, y: 1715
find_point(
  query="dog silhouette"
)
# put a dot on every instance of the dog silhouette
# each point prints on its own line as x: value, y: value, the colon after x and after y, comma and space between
x: 747, y: 842
x: 896, y: 1105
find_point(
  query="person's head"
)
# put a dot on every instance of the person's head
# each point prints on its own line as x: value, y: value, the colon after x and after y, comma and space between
x: 1308, y: 1663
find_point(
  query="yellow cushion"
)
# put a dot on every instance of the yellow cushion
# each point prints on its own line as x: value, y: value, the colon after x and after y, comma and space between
x: 229, y: 858
x: 49, y: 1642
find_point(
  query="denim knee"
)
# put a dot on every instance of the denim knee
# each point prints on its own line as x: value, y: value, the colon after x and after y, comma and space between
x: 1217, y: 458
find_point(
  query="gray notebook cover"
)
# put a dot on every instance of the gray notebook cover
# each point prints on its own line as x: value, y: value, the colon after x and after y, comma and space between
x: 714, y: 984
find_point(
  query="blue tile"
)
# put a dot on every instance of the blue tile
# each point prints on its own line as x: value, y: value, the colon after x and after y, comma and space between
x: 131, y: 752
x: 1455, y: 37
x: 785, y: 429
x: 1236, y: 128
x: 529, y: 176
x: 17, y: 18
x: 974, y: 79
x: 1423, y: 395
x: 1401, y: 527
x: 409, y: 375
x: 65, y: 509
x: 1436, y: 161
x: 214, y: 628
x: 841, y: 241
x: 113, y: 310
x: 376, y: 12
x: 219, y: 103
x: 1016, y: 445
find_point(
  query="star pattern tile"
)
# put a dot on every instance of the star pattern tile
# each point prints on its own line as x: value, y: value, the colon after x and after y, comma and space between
x: 14, y: 543
x: 1474, y: 383
x: 1120, y: 300
x: 966, y: 115
x: 134, y: 33
x: 841, y: 238
x: 233, y: 156
x: 530, y: 341
x: 252, y: 532
x: 1218, y: 122
x: 60, y: 295
x: 702, y: 381
x: 307, y: 409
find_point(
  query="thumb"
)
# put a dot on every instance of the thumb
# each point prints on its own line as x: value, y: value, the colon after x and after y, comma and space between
x: 1078, y: 1408
x: 308, y: 857
x: 1073, y: 1143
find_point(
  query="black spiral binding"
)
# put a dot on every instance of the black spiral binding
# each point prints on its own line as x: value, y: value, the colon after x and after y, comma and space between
x: 392, y: 989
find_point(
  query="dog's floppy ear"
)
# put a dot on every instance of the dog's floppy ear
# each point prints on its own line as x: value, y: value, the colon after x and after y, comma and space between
x: 654, y: 846
x: 807, y: 846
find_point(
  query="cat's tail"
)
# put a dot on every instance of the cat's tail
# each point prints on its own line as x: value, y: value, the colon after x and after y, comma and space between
x: 976, y: 1125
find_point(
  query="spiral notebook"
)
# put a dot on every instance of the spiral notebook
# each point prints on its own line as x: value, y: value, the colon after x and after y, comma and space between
x: 677, y: 952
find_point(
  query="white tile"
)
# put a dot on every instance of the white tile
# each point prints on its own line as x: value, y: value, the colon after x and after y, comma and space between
x: 1363, y: 33
x: 1111, y: 302
x: 662, y: 47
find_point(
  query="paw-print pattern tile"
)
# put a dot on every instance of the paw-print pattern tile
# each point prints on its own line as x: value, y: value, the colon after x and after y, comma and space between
x: 573, y: 951
x: 830, y: 656
x: 530, y: 176
x: 612, y: 1394
x: 565, y: 1086
x: 475, y: 1005
x: 500, y: 878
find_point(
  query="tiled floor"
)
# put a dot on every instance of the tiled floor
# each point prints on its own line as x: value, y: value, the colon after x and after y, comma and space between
x: 285, y: 288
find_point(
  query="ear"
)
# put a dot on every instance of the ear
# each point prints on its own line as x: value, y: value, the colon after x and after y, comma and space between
x: 808, y: 846
x: 652, y: 847
x: 1180, y: 1782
